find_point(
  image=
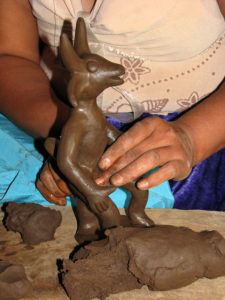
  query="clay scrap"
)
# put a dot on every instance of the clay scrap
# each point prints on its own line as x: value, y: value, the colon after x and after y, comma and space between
x: 13, y: 281
x: 163, y: 257
x: 34, y: 222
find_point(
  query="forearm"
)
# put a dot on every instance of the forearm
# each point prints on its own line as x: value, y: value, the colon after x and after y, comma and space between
x: 27, y: 99
x: 205, y: 125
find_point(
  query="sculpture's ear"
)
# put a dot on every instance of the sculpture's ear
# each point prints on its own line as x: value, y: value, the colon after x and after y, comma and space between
x: 69, y: 57
x: 81, y: 42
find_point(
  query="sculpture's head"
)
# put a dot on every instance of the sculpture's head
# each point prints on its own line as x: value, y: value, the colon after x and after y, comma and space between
x: 90, y: 73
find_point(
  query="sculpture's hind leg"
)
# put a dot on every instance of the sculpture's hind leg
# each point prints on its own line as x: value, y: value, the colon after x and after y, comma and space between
x: 136, y: 209
x: 110, y: 217
x: 88, y: 226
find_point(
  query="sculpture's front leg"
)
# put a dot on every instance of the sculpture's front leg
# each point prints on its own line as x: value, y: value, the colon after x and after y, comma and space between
x: 82, y: 179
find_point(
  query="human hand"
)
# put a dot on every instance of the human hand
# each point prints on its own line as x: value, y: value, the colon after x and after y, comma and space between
x: 53, y: 188
x: 150, y: 143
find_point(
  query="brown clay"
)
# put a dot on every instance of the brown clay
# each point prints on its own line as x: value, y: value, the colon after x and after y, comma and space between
x: 161, y: 257
x: 13, y: 281
x: 86, y: 135
x: 34, y: 222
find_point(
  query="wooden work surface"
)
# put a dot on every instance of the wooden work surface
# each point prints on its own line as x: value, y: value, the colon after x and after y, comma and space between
x: 41, y: 267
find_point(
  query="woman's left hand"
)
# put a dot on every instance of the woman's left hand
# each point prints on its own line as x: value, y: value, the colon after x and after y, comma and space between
x: 150, y: 143
x: 52, y: 187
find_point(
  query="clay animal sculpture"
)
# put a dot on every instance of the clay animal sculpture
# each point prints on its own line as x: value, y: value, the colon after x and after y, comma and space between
x: 162, y: 257
x: 86, y: 135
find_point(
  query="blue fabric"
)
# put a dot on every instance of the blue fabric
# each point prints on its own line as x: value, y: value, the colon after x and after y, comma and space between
x: 205, y: 186
x: 20, y: 162
x: 19, y: 165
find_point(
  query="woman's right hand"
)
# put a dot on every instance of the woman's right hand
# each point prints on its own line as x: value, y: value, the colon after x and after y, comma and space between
x: 52, y: 187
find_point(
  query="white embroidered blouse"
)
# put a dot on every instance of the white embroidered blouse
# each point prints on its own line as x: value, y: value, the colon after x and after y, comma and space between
x: 173, y: 50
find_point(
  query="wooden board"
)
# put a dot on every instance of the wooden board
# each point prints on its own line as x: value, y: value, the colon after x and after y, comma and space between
x: 41, y: 261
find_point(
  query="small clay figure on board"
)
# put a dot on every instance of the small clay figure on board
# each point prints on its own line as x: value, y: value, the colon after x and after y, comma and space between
x: 86, y: 135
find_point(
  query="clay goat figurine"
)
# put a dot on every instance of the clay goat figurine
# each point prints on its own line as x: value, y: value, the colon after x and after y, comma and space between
x: 86, y: 135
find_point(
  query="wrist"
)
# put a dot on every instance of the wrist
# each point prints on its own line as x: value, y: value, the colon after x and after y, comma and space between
x: 186, y: 135
x: 204, y: 124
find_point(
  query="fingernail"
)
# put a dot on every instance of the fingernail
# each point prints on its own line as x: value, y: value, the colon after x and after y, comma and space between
x: 105, y: 163
x: 143, y: 184
x: 117, y: 180
x: 99, y: 180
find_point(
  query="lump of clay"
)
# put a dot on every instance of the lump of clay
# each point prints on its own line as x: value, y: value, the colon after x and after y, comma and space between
x: 13, y: 281
x: 168, y: 257
x: 161, y: 257
x: 35, y: 223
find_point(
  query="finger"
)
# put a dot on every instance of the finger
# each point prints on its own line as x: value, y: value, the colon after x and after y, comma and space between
x: 146, y: 162
x: 60, y: 183
x: 47, y: 179
x: 103, y: 180
x: 155, y: 140
x: 130, y: 156
x: 125, y: 142
x: 167, y: 172
x: 48, y: 196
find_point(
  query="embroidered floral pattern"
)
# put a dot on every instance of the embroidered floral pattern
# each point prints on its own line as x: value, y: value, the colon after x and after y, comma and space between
x: 163, y: 85
x: 155, y: 106
x: 121, y: 107
x: 134, y: 69
x: 186, y: 103
x: 152, y: 106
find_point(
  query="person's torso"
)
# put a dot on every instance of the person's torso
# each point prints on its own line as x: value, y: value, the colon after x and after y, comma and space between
x: 155, y: 40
